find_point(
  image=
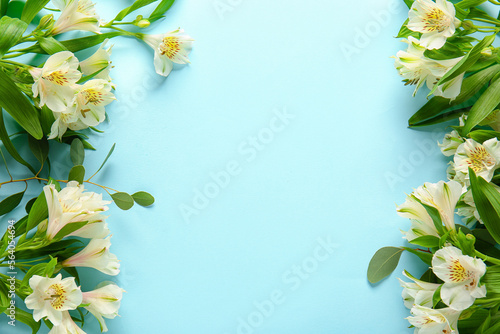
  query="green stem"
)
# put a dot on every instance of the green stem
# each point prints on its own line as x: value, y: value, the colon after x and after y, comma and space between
x: 487, y: 258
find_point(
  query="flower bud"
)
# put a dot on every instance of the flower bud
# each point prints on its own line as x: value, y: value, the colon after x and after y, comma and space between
x: 467, y: 25
x: 143, y: 23
x: 46, y: 22
x: 487, y: 52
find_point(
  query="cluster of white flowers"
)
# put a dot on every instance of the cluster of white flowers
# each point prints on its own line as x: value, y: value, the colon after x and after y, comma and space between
x: 78, y: 106
x: 460, y: 274
x: 75, y: 106
x: 435, y: 21
x: 52, y: 298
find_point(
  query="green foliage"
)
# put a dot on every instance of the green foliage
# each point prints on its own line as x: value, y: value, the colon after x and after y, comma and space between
x: 10, y: 203
x: 77, y: 152
x: 77, y: 173
x: 18, y: 106
x: 39, y: 211
x: 31, y: 9
x: 123, y: 200
x: 383, y: 263
x: 12, y: 30
x: 143, y: 198
x: 487, y: 200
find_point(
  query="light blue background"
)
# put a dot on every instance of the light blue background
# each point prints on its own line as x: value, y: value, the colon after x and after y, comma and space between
x: 334, y: 172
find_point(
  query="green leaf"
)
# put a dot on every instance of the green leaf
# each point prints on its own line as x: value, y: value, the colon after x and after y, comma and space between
x: 143, y: 198
x: 10, y: 203
x: 50, y: 267
x: 39, y: 211
x: 39, y: 148
x: 77, y: 152
x: 123, y: 200
x: 69, y: 228
x: 483, y: 107
x: 27, y: 318
x: 383, y: 263
x: 107, y: 157
x: 161, y: 9
x: 81, y: 43
x: 77, y: 173
x: 428, y: 241
x: 136, y: 5
x: 466, y: 62
x: 3, y: 7
x: 12, y: 30
x: 424, y: 256
x: 32, y: 8
x: 4, y: 137
x: 37, y: 269
x: 483, y: 135
x: 409, y: 3
x: 487, y: 200
x: 470, y: 86
x: 436, y: 297
x: 51, y: 45
x: 447, y: 51
x: 404, y: 32
x: 18, y: 106
x: 29, y: 205
x: 464, y: 4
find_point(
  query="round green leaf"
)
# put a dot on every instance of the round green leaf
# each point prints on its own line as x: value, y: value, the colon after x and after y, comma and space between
x: 143, y: 198
x: 77, y: 173
x: 123, y: 200
x: 77, y: 152
x: 383, y: 263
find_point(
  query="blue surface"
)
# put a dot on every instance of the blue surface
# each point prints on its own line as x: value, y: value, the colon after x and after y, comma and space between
x: 251, y: 256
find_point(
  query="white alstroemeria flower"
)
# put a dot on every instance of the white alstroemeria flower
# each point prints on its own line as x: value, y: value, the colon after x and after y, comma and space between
x: 67, y: 326
x: 483, y: 159
x: 99, y: 61
x: 435, y: 20
x: 421, y: 221
x: 71, y: 205
x: 87, y: 108
x: 451, y: 142
x: 76, y: 15
x: 52, y: 296
x: 172, y: 47
x: 442, y: 196
x: 417, y: 69
x: 54, y: 81
x: 428, y: 320
x: 96, y: 255
x: 103, y: 303
x: 460, y: 274
x: 419, y: 292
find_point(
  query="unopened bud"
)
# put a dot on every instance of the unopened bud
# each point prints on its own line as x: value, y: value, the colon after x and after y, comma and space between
x: 488, y: 52
x: 467, y: 25
x: 46, y: 22
x: 143, y: 23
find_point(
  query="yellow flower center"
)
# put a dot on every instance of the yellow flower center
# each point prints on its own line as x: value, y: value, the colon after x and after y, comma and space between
x: 479, y: 159
x: 93, y: 96
x: 170, y: 47
x: 57, y: 295
x: 436, y: 20
x: 57, y: 77
x: 458, y: 273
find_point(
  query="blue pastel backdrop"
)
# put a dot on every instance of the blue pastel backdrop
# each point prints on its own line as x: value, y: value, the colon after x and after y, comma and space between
x: 276, y: 159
